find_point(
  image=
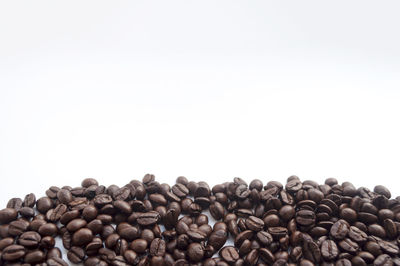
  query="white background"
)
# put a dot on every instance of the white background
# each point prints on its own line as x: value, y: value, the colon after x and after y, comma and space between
x: 206, y: 89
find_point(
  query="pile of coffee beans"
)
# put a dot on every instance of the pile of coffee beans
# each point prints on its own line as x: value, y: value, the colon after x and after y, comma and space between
x: 148, y: 223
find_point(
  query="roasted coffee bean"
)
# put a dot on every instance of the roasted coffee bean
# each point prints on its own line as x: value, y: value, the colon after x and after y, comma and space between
x: 278, y: 232
x: 82, y: 237
x: 53, y: 215
x: 339, y: 229
x: 29, y: 200
x: 48, y: 229
x: 254, y: 223
x: 383, y: 260
x: 305, y: 217
x: 349, y: 246
x: 148, y: 218
x: 29, y: 239
x: 157, y: 247
x: 15, y: 203
x: 7, y: 215
x: 301, y: 223
x: 139, y: 245
x: 76, y: 224
x: 229, y: 254
x: 311, y: 251
x: 329, y: 250
x: 13, y: 252
x: 252, y: 257
x: 217, y: 210
x: 76, y: 254
x: 34, y: 257
x: 5, y: 242
x: 17, y: 227
x: 89, y: 212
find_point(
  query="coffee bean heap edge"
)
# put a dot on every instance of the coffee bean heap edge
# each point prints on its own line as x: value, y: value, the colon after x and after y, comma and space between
x: 148, y: 223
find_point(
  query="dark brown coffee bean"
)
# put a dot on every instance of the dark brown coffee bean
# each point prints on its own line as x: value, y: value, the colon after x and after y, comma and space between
x: 13, y: 252
x: 252, y: 257
x: 15, y: 203
x: 339, y: 229
x: 29, y: 239
x: 7, y: 215
x: 148, y: 218
x: 69, y: 216
x: 34, y: 257
x: 329, y: 250
x: 123, y: 206
x: 17, y: 227
x: 53, y: 215
x: 76, y: 224
x: 5, y: 242
x: 29, y: 200
x: 76, y: 254
x: 157, y: 247
x: 349, y: 246
x: 254, y: 223
x: 278, y: 232
x: 139, y: 245
x: 266, y: 255
x: 218, y: 238
x: 383, y: 260
x: 229, y: 254
x: 180, y: 190
x: 390, y: 228
x: 217, y: 210
x: 47, y: 242
x: 48, y: 229
x: 305, y: 217
x: 382, y: 191
x: 82, y: 237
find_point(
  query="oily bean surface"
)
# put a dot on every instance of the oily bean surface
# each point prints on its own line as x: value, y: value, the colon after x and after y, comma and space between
x: 145, y: 222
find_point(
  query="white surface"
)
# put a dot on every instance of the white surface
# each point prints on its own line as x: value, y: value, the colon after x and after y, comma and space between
x: 206, y: 89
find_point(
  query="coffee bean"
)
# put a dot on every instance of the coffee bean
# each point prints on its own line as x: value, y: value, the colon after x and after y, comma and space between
x: 13, y: 252
x: 229, y: 254
x: 278, y: 232
x: 217, y: 210
x: 15, y: 203
x: 383, y: 260
x: 34, y: 257
x: 148, y: 218
x: 349, y: 246
x: 339, y: 229
x: 76, y: 224
x: 48, y: 229
x: 7, y: 215
x: 252, y: 257
x: 311, y: 251
x: 382, y: 191
x: 17, y: 227
x: 254, y: 223
x: 29, y: 200
x: 123, y: 206
x: 53, y: 215
x: 301, y: 223
x: 76, y: 254
x: 29, y: 239
x: 157, y: 247
x: 82, y: 237
x: 329, y: 250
